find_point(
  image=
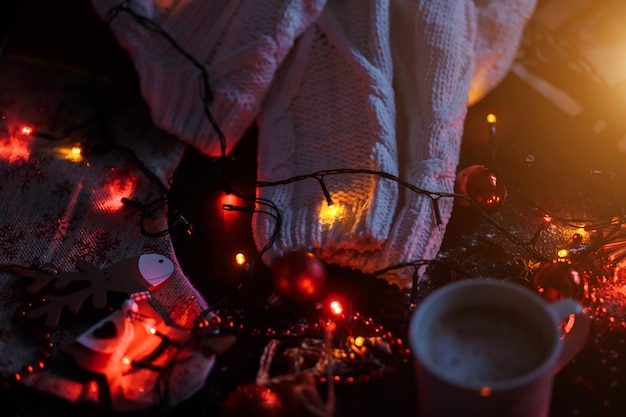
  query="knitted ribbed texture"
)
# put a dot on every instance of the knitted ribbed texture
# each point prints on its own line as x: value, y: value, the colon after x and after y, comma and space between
x: 331, y: 108
x: 379, y: 85
x: 241, y: 43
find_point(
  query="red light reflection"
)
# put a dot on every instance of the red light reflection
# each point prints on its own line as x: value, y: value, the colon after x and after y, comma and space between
x: 13, y: 148
x: 110, y: 196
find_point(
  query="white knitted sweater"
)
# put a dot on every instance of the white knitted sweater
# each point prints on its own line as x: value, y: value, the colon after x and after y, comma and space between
x: 380, y: 85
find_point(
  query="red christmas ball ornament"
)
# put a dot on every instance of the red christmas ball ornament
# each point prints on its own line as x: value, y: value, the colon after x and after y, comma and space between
x: 481, y: 185
x: 299, y: 277
x: 557, y: 280
x: 253, y: 400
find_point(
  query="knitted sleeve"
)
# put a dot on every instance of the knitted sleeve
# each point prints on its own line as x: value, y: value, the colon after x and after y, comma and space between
x: 331, y: 107
x: 240, y: 43
x: 384, y: 86
x: 380, y: 86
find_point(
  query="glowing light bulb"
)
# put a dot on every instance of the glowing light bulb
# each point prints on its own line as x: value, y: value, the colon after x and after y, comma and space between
x: 491, y: 118
x: 329, y: 214
x: 71, y: 153
x: 562, y: 253
x: 359, y: 341
x: 93, y: 386
x: 240, y: 259
x: 26, y: 130
x: 336, y: 307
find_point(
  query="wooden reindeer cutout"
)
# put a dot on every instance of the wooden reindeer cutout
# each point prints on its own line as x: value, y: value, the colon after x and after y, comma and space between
x: 140, y: 273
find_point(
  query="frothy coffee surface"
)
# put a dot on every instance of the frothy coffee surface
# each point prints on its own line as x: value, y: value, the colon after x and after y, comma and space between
x: 484, y: 344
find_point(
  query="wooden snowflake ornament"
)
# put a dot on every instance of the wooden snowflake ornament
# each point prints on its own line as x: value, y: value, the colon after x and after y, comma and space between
x: 140, y: 273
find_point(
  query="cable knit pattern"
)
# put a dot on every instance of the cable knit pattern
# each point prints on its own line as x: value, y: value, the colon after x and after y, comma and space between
x: 381, y: 85
x: 309, y: 108
x: 240, y: 42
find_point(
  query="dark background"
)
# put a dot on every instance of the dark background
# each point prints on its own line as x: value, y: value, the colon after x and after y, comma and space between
x: 575, y: 173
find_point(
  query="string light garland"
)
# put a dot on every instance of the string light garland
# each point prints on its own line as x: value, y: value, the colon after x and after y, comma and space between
x: 268, y: 207
x: 302, y: 338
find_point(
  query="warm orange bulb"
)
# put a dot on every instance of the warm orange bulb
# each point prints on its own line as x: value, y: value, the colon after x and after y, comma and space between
x: 331, y: 213
x: 240, y: 259
x: 491, y: 118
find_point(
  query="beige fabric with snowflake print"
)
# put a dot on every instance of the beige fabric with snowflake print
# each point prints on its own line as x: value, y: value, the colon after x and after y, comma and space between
x: 60, y: 207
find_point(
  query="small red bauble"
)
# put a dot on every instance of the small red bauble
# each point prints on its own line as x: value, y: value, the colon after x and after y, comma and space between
x: 481, y: 185
x: 299, y: 277
x: 253, y: 400
x: 557, y: 280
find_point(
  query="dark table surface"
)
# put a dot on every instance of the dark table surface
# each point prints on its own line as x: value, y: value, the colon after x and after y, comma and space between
x: 577, y: 176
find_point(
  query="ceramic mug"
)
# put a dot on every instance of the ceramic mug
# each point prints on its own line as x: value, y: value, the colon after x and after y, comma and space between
x: 486, y: 347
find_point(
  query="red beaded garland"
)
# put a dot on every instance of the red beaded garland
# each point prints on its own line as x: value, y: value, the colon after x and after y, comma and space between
x: 253, y: 400
x: 44, y: 335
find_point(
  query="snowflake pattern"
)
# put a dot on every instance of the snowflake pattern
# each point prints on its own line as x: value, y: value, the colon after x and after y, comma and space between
x: 10, y: 240
x: 53, y: 213
x: 51, y: 224
x: 99, y: 247
x: 25, y: 172
x: 63, y: 188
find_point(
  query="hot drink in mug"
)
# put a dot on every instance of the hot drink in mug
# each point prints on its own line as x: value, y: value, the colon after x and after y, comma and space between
x: 484, y: 347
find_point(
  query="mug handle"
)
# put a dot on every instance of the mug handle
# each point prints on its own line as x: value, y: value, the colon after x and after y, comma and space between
x: 576, y: 336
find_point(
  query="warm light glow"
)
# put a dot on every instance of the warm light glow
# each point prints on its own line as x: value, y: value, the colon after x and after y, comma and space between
x: 336, y: 307
x: 491, y: 118
x: 228, y: 199
x: 359, y: 341
x: 230, y: 217
x: 330, y: 214
x: 26, y: 130
x: 71, y: 153
x: 584, y: 234
x: 126, y: 360
x: 93, y: 386
x: 547, y: 219
x: 485, y: 392
x: 110, y: 196
x: 570, y: 323
x: 15, y: 149
x: 562, y: 253
x: 240, y: 259
x: 92, y: 390
x: 152, y: 330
